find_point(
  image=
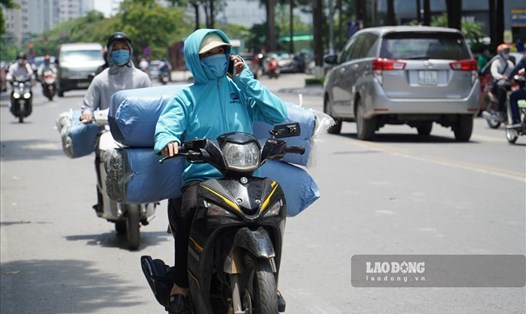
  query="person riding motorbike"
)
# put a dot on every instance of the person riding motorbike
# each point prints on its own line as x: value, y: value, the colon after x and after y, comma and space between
x: 500, y: 69
x: 218, y: 102
x: 517, y: 95
x: 46, y: 66
x: 120, y: 75
x: 20, y: 68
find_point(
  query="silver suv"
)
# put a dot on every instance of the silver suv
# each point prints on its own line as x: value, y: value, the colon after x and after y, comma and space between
x: 413, y: 75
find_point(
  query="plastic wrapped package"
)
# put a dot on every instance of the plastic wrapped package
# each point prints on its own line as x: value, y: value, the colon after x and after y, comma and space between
x: 133, y: 113
x: 307, y: 120
x: 299, y: 187
x: 78, y: 139
x: 134, y: 175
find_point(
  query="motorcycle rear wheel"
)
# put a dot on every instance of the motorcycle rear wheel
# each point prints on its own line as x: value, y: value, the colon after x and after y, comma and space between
x: 261, y: 285
x: 512, y: 135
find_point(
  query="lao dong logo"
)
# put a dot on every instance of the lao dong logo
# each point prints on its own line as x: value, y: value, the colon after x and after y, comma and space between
x: 395, y: 272
x: 395, y: 267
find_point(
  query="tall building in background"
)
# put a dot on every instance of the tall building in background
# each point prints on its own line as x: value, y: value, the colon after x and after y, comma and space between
x: 37, y: 16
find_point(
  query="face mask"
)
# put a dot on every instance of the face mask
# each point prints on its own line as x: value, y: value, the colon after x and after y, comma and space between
x: 20, y: 61
x: 216, y: 64
x: 120, y: 57
x: 506, y: 56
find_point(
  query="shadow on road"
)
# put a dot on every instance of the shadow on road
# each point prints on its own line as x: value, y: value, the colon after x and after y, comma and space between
x: 62, y: 286
x: 114, y: 240
x: 409, y: 138
x: 30, y: 149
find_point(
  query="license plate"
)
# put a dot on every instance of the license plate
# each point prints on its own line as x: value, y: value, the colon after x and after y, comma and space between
x: 83, y: 84
x: 429, y: 78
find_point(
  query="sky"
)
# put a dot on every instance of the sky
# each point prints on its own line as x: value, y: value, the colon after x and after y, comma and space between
x: 238, y: 11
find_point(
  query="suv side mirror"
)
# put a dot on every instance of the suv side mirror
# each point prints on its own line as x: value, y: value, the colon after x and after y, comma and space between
x: 331, y: 59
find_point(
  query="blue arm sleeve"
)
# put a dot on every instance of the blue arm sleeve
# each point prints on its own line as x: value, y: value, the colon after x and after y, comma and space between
x: 264, y: 105
x: 171, y: 124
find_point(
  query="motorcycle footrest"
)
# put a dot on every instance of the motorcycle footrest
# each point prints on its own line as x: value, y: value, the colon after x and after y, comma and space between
x: 159, y: 277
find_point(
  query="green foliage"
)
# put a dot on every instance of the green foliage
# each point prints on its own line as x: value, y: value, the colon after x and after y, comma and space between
x: 473, y: 31
x: 144, y: 21
x: 150, y: 25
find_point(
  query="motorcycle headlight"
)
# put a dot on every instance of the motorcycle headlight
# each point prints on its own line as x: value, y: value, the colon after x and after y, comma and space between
x: 241, y: 157
x: 16, y: 95
x: 274, y: 210
x: 27, y: 95
x: 214, y: 210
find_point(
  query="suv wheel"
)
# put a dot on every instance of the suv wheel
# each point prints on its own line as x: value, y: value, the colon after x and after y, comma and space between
x: 336, y: 128
x: 463, y: 128
x: 364, y: 127
x: 425, y: 128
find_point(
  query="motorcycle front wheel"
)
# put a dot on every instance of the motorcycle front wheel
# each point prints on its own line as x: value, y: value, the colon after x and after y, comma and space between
x: 261, y: 289
x: 21, y: 112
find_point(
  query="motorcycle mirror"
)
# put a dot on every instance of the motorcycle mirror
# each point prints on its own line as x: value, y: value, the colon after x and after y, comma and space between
x: 286, y: 130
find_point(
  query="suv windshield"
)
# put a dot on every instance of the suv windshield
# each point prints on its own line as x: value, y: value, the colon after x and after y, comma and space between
x: 84, y: 55
x: 410, y: 45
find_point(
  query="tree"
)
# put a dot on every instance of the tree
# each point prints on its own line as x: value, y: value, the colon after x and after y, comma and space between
x: 8, y: 4
x: 150, y: 25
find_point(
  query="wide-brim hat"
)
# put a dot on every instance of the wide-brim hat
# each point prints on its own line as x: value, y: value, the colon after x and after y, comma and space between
x: 210, y: 42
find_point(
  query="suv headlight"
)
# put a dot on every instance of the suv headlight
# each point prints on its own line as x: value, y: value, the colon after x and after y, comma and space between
x: 241, y: 157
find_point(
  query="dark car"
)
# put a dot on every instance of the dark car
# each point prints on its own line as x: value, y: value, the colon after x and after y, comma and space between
x: 413, y: 75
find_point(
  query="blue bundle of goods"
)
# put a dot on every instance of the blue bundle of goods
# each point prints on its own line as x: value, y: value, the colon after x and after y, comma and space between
x: 137, y: 176
x: 134, y: 175
x: 307, y: 121
x: 78, y: 139
x: 133, y: 114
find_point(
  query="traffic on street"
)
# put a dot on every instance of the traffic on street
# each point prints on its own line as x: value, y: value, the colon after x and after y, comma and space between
x: 401, y: 194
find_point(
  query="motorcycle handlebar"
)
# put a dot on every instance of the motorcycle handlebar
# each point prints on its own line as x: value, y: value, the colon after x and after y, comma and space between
x: 295, y: 150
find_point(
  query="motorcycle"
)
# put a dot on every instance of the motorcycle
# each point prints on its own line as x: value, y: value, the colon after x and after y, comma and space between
x: 236, y: 237
x: 127, y: 217
x: 494, y: 117
x: 21, y: 98
x: 49, y: 86
x: 273, y: 69
x: 164, y: 76
x: 513, y: 133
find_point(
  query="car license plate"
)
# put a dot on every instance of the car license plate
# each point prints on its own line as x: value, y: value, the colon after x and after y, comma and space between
x: 83, y: 84
x: 429, y: 78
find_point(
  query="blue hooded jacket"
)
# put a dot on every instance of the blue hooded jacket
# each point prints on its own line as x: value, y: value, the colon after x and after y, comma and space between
x: 214, y: 106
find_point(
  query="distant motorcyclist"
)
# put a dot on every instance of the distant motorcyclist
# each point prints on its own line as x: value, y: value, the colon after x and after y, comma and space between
x: 120, y: 75
x: 500, y: 70
x: 517, y: 95
x: 46, y: 66
x: 165, y: 68
x: 20, y: 68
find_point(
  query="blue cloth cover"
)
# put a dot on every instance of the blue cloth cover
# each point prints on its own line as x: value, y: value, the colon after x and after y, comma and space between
x: 133, y: 113
x: 134, y: 175
x: 299, y: 187
x: 78, y: 139
x: 307, y: 121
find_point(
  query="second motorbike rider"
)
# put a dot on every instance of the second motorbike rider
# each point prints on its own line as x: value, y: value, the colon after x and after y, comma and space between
x: 120, y: 75
x: 500, y: 70
x: 215, y: 104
